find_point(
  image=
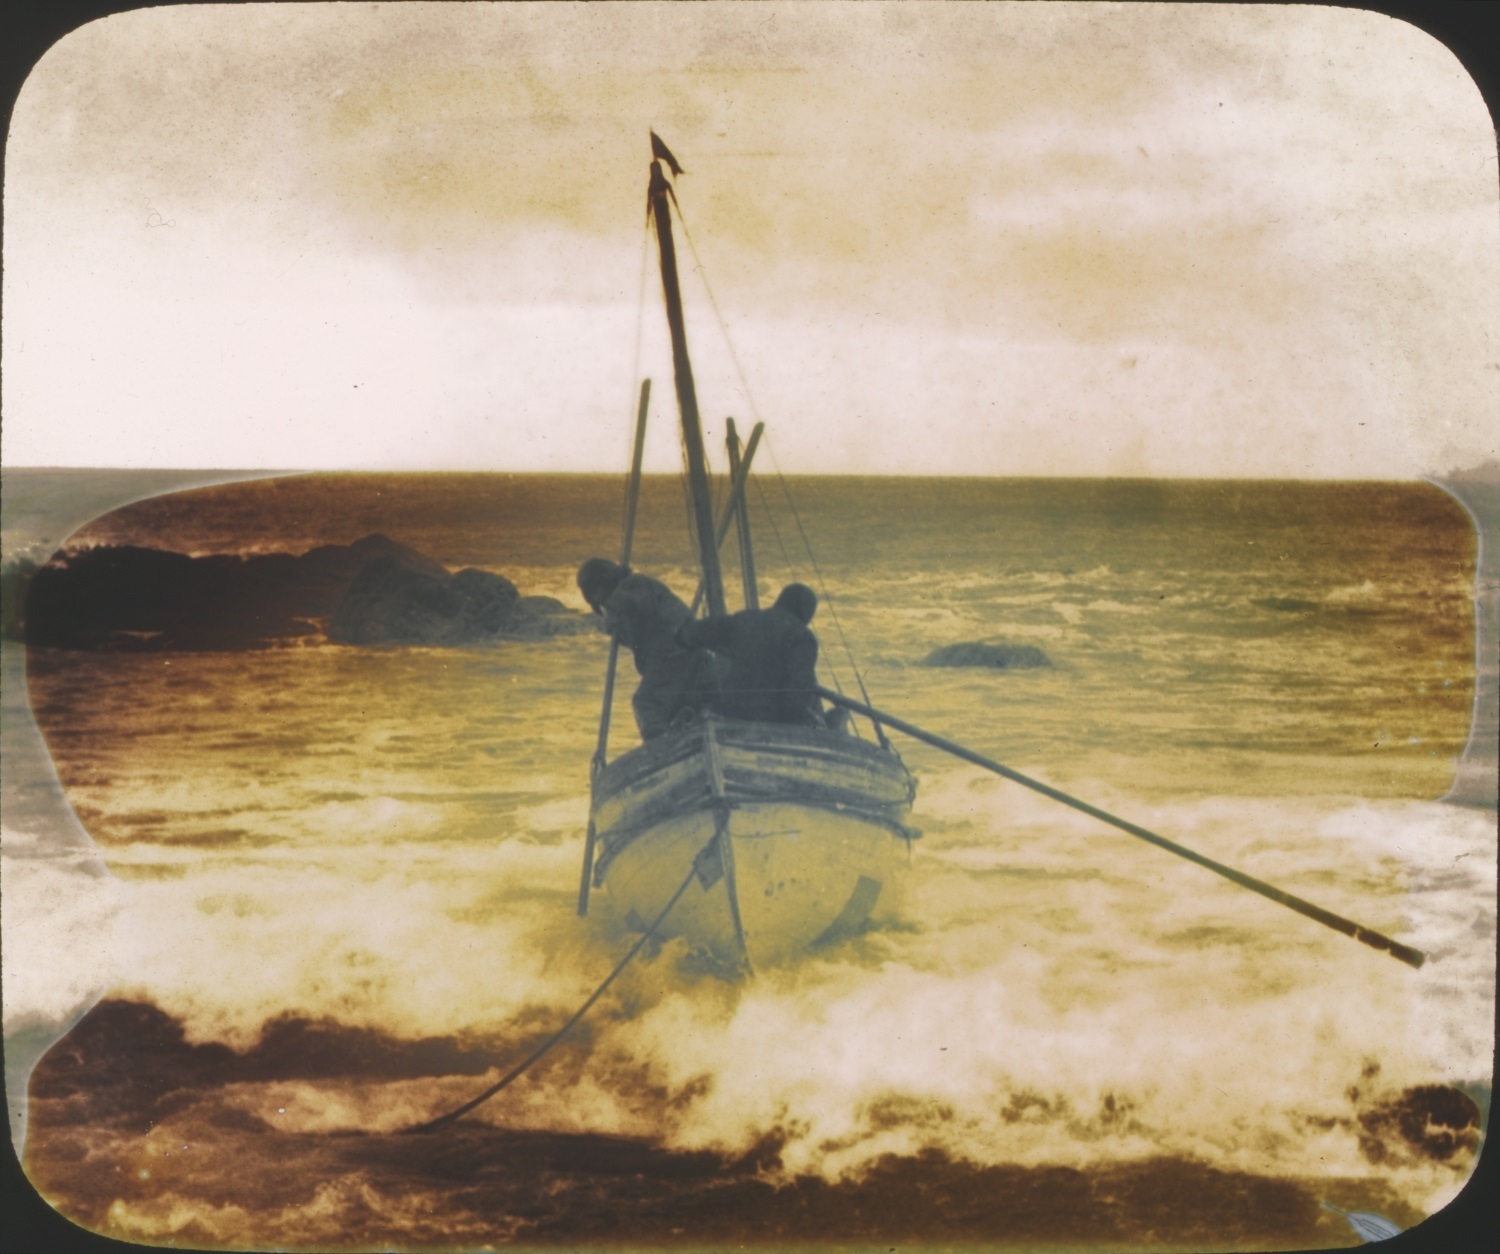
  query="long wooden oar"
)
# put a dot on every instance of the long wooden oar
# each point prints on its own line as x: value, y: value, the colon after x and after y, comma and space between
x: 1412, y: 957
x: 632, y: 496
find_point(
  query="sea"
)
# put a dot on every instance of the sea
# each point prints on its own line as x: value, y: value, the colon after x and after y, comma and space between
x: 293, y: 901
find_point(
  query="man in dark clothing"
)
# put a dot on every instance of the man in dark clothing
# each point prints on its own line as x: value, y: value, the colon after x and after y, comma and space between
x: 772, y: 659
x: 643, y: 614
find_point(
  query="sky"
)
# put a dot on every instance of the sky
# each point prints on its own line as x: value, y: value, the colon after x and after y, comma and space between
x: 1000, y: 239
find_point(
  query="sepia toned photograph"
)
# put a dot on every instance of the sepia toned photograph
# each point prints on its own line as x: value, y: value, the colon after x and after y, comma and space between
x: 750, y: 626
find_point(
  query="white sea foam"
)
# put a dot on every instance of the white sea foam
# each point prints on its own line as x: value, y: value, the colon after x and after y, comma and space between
x: 60, y: 952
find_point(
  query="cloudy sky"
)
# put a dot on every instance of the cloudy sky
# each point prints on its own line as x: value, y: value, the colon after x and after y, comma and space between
x: 1000, y: 239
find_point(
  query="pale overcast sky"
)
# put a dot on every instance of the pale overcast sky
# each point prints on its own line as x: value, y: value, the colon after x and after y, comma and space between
x: 998, y: 239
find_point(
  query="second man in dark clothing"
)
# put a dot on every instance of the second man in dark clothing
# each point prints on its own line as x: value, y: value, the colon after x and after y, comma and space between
x: 643, y: 614
x: 771, y: 656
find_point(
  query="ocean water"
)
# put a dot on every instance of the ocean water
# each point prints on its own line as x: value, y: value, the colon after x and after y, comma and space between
x: 341, y: 891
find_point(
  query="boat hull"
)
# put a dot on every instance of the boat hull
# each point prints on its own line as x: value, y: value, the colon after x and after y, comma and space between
x: 796, y: 836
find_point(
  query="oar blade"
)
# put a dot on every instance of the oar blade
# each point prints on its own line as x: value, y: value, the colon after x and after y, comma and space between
x: 1369, y: 1226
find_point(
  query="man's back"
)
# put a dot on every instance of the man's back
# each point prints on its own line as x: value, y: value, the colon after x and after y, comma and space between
x: 644, y: 615
x: 772, y: 664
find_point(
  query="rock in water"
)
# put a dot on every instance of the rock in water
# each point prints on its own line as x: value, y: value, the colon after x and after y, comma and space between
x: 1004, y: 657
x: 390, y: 602
x: 107, y: 597
x: 375, y: 591
x: 542, y: 618
x: 487, y: 601
x: 323, y: 575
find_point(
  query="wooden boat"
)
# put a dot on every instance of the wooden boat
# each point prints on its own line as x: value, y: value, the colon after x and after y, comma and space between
x: 804, y: 827
x: 797, y: 836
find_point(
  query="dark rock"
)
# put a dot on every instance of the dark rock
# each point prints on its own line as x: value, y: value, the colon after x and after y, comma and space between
x: 108, y: 597
x: 322, y: 575
x: 234, y: 603
x: 488, y: 601
x: 391, y: 603
x: 993, y: 656
x: 546, y: 605
x: 543, y: 618
x: 125, y: 597
x: 372, y: 592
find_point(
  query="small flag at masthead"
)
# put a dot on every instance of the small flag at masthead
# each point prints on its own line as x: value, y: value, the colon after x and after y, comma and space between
x: 660, y: 150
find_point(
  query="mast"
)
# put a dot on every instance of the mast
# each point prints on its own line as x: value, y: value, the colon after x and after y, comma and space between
x: 687, y: 396
x: 742, y: 518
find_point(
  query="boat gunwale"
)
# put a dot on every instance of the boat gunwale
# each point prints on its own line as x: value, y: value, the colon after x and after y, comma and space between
x: 678, y: 744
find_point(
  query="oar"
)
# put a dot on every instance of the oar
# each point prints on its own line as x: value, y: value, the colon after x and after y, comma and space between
x: 1412, y: 957
x: 632, y: 496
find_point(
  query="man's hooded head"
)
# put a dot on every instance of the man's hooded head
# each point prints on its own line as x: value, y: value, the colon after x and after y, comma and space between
x: 798, y: 600
x: 597, y: 578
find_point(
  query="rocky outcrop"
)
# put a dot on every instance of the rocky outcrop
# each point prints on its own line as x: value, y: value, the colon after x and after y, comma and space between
x: 1002, y: 657
x: 390, y: 602
x: 542, y: 618
x: 375, y: 591
x: 136, y: 598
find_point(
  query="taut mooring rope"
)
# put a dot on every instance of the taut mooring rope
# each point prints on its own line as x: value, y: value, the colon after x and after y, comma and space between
x: 516, y: 1072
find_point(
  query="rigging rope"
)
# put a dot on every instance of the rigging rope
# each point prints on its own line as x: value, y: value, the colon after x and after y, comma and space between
x: 536, y: 1055
x: 770, y: 514
x: 702, y: 271
x: 635, y: 366
x: 823, y: 591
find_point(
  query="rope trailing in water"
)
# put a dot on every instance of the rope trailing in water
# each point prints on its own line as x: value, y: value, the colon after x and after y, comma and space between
x: 536, y: 1055
x: 1405, y: 953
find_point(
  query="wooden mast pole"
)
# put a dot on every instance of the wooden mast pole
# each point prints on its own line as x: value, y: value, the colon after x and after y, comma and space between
x: 736, y: 494
x: 687, y: 396
x: 742, y: 519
